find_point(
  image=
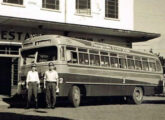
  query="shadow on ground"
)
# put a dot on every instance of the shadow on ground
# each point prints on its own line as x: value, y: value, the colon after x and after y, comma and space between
x: 14, y: 116
x: 154, y: 102
x: 20, y: 102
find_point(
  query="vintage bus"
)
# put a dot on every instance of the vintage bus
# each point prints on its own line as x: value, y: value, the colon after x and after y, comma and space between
x: 88, y: 68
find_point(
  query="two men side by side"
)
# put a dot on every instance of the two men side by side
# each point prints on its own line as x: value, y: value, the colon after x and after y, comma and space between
x: 50, y: 84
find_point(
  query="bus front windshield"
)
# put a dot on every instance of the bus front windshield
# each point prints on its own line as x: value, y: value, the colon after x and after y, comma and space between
x: 43, y: 54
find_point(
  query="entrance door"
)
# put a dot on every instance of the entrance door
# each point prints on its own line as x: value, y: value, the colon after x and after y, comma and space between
x: 5, y: 76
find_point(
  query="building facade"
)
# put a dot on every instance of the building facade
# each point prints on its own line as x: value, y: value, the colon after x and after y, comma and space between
x: 108, y: 21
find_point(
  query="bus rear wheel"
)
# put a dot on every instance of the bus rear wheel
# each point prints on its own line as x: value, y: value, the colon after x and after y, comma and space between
x: 75, y: 96
x: 137, y: 96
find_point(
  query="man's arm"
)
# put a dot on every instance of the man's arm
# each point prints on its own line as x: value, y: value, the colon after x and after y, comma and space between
x: 45, y: 80
x: 27, y: 80
x: 57, y: 78
x: 38, y: 80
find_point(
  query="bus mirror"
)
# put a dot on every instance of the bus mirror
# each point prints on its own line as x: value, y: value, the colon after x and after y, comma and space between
x: 68, y: 56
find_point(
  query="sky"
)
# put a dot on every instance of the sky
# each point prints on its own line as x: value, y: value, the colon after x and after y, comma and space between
x: 149, y: 16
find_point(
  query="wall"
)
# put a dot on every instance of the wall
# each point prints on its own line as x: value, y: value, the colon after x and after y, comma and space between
x: 32, y: 9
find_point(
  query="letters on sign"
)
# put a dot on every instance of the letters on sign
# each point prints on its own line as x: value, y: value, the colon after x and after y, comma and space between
x: 15, y: 36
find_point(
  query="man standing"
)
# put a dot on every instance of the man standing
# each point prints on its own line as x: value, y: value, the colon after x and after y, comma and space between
x: 32, y: 84
x: 51, y: 83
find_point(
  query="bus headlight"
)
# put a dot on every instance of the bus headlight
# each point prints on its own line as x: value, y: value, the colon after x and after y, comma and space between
x: 61, y: 80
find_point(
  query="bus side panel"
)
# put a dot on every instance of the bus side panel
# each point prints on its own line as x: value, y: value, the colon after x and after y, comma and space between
x: 101, y: 86
x: 148, y: 91
x: 109, y: 90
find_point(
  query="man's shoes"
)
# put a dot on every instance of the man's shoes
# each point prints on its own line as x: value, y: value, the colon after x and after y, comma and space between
x: 36, y: 107
x: 27, y: 107
x: 48, y: 107
x: 53, y: 107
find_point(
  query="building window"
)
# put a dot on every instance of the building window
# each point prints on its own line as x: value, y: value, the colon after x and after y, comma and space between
x: 83, y: 6
x: 19, y: 2
x: 50, y: 4
x: 111, y: 9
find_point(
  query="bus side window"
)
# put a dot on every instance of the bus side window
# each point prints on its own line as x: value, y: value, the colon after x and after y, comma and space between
x: 94, y: 57
x: 138, y: 63
x: 105, y: 61
x: 122, y: 63
x: 145, y: 64
x: 114, y: 60
x: 158, y: 66
x: 72, y: 58
x: 83, y: 58
x: 94, y: 60
x: 130, y: 61
x: 152, y: 66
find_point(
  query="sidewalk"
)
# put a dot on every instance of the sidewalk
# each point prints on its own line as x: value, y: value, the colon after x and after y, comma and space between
x: 2, y: 103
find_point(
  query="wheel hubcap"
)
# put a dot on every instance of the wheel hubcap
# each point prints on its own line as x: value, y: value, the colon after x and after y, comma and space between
x: 138, y: 94
x: 77, y: 95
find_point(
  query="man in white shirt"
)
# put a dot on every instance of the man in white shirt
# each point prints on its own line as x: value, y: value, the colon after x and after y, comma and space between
x: 32, y: 84
x: 51, y: 83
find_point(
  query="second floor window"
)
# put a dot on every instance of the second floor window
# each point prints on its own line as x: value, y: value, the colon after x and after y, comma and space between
x: 50, y: 4
x: 19, y: 2
x: 83, y: 6
x: 111, y: 9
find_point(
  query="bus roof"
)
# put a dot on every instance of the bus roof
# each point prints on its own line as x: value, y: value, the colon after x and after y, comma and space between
x: 47, y: 40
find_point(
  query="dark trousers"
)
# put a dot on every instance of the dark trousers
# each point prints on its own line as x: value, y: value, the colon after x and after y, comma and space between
x: 32, y: 90
x: 51, y: 94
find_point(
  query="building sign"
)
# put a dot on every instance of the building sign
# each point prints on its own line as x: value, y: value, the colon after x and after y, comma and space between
x: 109, y: 47
x: 15, y: 35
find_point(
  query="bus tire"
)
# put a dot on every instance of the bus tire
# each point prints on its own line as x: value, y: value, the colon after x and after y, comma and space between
x: 137, y: 96
x: 75, y: 96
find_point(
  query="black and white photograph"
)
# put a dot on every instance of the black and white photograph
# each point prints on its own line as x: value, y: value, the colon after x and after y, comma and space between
x: 82, y: 59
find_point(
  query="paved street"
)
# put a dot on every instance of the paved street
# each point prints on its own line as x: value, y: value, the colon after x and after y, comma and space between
x: 153, y: 108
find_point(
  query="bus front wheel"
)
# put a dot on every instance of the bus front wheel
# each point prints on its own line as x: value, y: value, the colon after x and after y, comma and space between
x: 137, y: 96
x: 75, y: 96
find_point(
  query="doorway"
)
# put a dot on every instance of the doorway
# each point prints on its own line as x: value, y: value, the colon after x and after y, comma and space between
x: 5, y: 75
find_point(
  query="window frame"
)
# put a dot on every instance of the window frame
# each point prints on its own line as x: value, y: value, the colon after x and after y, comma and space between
x: 73, y: 49
x: 115, y: 57
x: 116, y: 10
x: 78, y: 9
x: 122, y: 56
x: 131, y: 60
x: 80, y: 51
x: 13, y: 4
x: 44, y: 7
x: 104, y: 65
x: 138, y: 59
x: 158, y: 66
x: 94, y: 53
x: 152, y: 65
x: 145, y: 59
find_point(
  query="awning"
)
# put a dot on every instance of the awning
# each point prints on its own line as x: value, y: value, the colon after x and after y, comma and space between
x: 134, y: 36
x: 11, y: 43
